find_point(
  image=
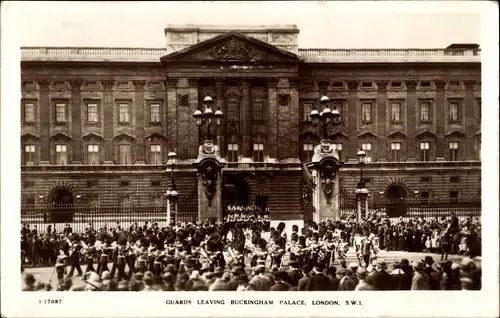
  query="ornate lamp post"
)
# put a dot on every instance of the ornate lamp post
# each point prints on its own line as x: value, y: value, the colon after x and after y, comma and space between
x: 172, y: 193
x: 208, y: 116
x: 326, y: 117
x: 361, y: 191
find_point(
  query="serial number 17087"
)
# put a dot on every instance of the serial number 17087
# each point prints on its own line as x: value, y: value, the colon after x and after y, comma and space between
x: 50, y: 301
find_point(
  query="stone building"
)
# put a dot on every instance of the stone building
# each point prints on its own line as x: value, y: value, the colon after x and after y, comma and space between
x: 97, y: 123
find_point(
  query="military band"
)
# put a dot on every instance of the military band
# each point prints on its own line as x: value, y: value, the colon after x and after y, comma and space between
x: 210, y: 245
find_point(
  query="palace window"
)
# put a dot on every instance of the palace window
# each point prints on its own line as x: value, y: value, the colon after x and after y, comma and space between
x: 425, y: 111
x: 124, y: 113
x: 258, y: 152
x: 454, y: 111
x: 338, y: 107
x: 453, y: 145
x: 424, y: 195
x: 29, y: 154
x: 29, y: 113
x: 367, y: 148
x: 425, y: 151
x: 92, y: 113
x: 308, y: 107
x: 183, y: 100
x: 154, y: 112
x: 232, y: 152
x: 61, y: 154
x: 155, y: 154
x: 60, y: 113
x: 93, y: 154
x: 395, y: 112
x: 425, y: 84
x: 258, y: 111
x: 366, y: 112
x: 367, y: 85
x: 307, y: 152
x: 396, y: 84
x: 395, y: 151
x: 338, y: 147
x: 232, y: 111
x: 454, y: 195
x: 124, y: 154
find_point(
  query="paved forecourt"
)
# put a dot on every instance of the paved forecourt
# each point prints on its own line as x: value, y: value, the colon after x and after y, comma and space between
x: 47, y: 273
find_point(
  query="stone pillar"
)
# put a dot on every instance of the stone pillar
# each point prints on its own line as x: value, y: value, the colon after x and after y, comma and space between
x: 325, y: 170
x: 140, y: 123
x: 220, y: 99
x: 294, y: 120
x: 108, y: 105
x: 470, y: 122
x: 44, y: 121
x: 352, y: 101
x: 172, y: 125
x: 210, y: 208
x: 411, y: 103
x: 272, y: 118
x: 76, y: 122
x: 440, y: 119
x: 193, y: 140
x: 382, y: 119
x: 246, y: 120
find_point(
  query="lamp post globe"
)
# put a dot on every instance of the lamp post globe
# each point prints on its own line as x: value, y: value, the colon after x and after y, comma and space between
x: 219, y: 115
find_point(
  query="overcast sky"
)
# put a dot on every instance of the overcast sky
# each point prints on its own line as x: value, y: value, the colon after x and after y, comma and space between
x: 333, y: 24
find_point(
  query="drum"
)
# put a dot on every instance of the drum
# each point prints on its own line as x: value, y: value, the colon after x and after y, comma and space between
x: 104, y: 258
x: 120, y: 260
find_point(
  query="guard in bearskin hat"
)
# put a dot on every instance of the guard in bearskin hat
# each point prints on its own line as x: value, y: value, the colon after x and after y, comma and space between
x: 120, y: 257
x: 74, y: 255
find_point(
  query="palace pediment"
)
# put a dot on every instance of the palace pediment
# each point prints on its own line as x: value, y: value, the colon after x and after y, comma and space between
x: 231, y: 47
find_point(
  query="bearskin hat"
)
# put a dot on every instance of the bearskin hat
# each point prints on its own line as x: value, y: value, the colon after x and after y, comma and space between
x: 122, y: 240
x: 328, y: 235
x: 295, y: 228
x: 262, y: 243
x: 294, y: 237
x: 315, y: 236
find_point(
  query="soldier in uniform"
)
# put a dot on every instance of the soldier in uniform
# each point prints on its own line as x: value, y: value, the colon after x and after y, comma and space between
x: 74, y: 257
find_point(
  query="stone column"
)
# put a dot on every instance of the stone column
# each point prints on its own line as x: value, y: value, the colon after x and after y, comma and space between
x: 272, y: 118
x: 220, y: 99
x: 108, y: 105
x: 413, y: 120
x: 352, y: 107
x: 440, y: 119
x: 193, y: 140
x: 294, y: 119
x: 470, y: 122
x: 139, y: 121
x: 172, y: 124
x: 246, y: 120
x: 76, y: 122
x: 382, y: 119
x: 44, y: 121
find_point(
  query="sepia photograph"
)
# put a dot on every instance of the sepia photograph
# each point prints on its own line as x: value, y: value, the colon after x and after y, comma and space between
x: 210, y: 152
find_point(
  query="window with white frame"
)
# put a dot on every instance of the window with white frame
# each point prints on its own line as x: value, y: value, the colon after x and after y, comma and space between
x: 232, y: 152
x: 307, y: 152
x: 258, y: 152
x: 338, y: 148
x: 308, y: 107
x: 93, y: 154
x: 61, y: 154
x: 124, y: 154
x: 395, y: 111
x: 29, y: 154
x: 395, y: 155
x: 155, y: 154
x: 425, y: 149
x: 29, y: 113
x: 124, y: 113
x: 154, y: 113
x: 92, y: 113
x: 60, y: 113
x: 367, y: 148
x: 453, y: 147
x: 425, y: 111
x: 366, y: 112
x: 454, y: 111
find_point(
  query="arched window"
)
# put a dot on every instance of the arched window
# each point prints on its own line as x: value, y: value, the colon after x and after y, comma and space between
x: 29, y: 150
x: 93, y: 149
x: 233, y: 148
x: 60, y: 149
x: 124, y: 149
x: 156, y: 149
x: 258, y: 148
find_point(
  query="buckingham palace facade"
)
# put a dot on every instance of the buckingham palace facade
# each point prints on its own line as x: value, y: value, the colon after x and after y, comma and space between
x: 97, y: 123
